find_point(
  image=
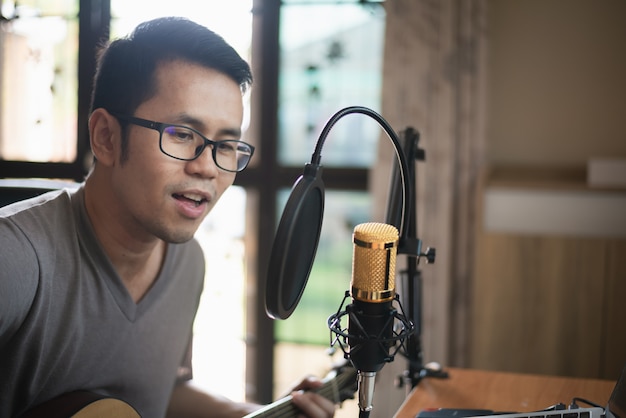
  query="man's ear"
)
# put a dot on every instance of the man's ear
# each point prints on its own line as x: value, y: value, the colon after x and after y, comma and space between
x: 104, y: 137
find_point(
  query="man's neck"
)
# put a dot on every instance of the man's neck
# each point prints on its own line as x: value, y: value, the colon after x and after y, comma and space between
x: 136, y: 261
x: 140, y: 271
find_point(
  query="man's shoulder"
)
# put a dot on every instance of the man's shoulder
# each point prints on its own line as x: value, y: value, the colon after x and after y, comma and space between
x: 30, y: 239
x: 16, y: 194
x: 42, y: 202
x: 39, y: 223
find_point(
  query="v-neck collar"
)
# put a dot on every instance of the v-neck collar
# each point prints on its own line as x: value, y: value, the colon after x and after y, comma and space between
x: 92, y: 248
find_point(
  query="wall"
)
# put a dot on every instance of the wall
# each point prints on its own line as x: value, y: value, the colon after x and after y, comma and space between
x: 536, y: 84
x: 546, y: 290
x: 556, y: 84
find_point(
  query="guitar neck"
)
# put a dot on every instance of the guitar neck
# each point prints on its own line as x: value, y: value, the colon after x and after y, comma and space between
x: 333, y: 388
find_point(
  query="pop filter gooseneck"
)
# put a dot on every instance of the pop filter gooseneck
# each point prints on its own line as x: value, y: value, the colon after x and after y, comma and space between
x: 298, y: 233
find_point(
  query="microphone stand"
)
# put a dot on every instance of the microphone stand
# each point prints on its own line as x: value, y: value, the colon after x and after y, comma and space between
x: 401, y: 214
x: 411, y: 277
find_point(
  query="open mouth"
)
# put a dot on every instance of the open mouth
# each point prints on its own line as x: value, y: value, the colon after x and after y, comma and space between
x: 194, y: 199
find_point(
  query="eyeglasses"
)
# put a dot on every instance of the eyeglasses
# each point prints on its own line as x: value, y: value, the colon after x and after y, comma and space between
x: 185, y: 143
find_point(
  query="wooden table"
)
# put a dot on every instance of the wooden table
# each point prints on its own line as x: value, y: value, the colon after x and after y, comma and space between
x: 499, y: 391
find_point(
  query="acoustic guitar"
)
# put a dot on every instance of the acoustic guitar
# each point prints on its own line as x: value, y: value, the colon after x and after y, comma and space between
x: 339, y: 385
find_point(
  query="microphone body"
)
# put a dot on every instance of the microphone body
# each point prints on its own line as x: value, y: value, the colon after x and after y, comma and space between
x: 371, y: 315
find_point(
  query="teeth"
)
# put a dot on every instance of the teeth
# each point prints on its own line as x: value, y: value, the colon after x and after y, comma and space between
x: 197, y: 198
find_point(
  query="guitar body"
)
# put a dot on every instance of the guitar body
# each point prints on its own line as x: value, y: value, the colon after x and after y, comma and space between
x: 83, y: 404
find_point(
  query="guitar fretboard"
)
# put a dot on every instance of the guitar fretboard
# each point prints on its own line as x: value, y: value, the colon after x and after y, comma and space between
x: 333, y: 388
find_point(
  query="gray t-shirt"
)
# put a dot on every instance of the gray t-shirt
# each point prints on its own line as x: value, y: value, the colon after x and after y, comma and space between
x: 67, y: 321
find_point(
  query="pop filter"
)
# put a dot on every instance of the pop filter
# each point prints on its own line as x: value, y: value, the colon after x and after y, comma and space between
x: 298, y: 233
x: 295, y: 244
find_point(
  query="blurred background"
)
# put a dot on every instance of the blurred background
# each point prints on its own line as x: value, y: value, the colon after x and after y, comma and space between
x: 520, y: 108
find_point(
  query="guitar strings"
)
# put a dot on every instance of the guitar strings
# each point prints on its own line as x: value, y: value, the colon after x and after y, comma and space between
x: 330, y: 390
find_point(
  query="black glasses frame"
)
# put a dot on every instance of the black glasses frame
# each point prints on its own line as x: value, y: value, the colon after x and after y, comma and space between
x: 160, y: 127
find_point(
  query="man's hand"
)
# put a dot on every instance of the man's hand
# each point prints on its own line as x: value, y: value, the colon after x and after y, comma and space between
x: 310, y: 403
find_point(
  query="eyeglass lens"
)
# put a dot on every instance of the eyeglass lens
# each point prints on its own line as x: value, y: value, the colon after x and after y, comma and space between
x: 186, y: 144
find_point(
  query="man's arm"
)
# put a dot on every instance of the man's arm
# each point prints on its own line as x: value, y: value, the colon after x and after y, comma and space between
x: 190, y: 402
x: 18, y: 279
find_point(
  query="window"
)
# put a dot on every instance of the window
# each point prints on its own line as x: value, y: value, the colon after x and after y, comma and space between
x: 219, y: 325
x: 330, y: 57
x: 38, y: 81
x: 39, y: 122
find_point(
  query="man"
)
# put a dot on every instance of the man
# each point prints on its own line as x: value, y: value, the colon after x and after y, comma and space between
x: 99, y: 287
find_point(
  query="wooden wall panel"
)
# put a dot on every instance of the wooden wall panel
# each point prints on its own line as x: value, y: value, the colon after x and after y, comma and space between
x: 614, y: 355
x: 539, y: 305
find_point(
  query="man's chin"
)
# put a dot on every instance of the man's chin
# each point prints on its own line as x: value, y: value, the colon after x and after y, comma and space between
x: 178, y: 237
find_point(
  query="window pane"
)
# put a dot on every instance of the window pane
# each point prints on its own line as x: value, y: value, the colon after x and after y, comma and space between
x: 30, y: 8
x: 219, y: 324
x: 332, y: 269
x: 331, y: 57
x: 222, y: 233
x: 231, y: 19
x: 305, y: 335
x: 39, y: 82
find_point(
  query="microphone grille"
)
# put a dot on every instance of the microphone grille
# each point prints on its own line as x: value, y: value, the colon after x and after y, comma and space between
x: 374, y: 261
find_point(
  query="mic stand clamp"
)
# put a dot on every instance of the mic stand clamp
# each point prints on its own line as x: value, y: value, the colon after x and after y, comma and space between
x: 413, y: 248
